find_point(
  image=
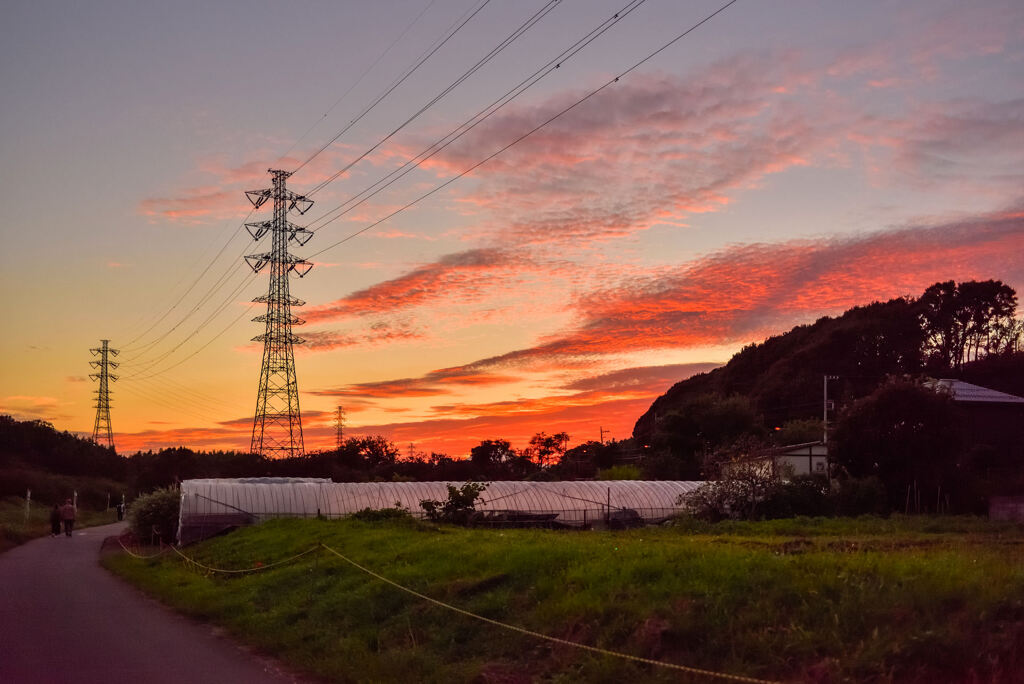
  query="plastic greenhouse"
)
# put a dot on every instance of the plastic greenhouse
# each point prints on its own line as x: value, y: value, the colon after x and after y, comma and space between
x: 212, y: 506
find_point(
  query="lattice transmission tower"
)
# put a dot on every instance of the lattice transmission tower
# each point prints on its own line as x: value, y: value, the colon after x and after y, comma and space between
x: 339, y: 427
x: 101, y: 428
x: 277, y: 425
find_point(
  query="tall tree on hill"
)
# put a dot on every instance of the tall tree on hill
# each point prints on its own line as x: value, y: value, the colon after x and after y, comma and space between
x: 968, y: 321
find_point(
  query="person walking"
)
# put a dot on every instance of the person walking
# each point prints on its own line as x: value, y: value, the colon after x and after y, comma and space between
x: 67, y: 514
x: 55, y: 520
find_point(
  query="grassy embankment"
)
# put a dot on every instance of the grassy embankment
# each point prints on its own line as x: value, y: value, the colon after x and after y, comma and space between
x: 905, y: 599
x: 15, y: 529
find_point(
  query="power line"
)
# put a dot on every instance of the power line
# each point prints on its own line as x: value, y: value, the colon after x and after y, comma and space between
x: 208, y: 343
x: 561, y: 113
x: 511, y: 38
x: 482, y: 115
x: 537, y: 16
x: 389, y: 90
x: 147, y: 366
x: 192, y: 286
x: 357, y: 81
x: 438, y: 43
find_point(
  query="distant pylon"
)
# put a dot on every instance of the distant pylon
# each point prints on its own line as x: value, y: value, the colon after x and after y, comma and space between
x: 339, y: 426
x: 277, y: 425
x: 101, y: 428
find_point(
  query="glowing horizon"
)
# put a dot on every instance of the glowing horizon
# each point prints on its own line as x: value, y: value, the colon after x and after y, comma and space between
x: 775, y: 166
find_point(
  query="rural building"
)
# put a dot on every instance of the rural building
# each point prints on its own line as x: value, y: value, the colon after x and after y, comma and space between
x: 992, y: 429
x: 809, y: 458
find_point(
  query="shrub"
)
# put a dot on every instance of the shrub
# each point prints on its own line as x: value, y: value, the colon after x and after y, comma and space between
x: 382, y: 514
x: 863, y: 496
x: 458, y: 508
x: 735, y: 497
x: 803, y: 495
x: 619, y: 472
x: 155, y: 515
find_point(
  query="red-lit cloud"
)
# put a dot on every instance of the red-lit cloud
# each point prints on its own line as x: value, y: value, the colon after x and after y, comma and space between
x: 746, y: 292
x: 432, y: 384
x: 611, y: 401
x: 461, y: 276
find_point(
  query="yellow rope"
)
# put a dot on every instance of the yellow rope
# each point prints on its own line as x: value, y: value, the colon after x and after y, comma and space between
x: 565, y: 642
x: 258, y: 568
x: 135, y: 555
x: 442, y: 604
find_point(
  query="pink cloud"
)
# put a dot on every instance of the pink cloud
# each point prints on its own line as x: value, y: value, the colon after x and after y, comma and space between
x: 195, y: 205
x: 374, y: 335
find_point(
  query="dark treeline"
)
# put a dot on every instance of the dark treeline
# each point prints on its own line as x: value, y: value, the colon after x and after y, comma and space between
x: 30, y: 447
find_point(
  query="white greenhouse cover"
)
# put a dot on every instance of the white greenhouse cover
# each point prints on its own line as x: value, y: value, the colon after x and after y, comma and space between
x: 204, y: 503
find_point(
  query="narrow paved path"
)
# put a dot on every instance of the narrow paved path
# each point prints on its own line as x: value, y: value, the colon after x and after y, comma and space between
x: 63, y: 618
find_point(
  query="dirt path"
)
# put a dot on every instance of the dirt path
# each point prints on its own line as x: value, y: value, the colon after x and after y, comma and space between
x: 63, y: 618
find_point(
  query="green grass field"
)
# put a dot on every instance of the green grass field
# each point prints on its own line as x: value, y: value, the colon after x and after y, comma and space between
x: 15, y: 529
x: 904, y: 599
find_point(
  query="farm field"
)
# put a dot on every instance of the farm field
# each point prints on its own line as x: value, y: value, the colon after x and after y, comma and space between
x: 904, y: 599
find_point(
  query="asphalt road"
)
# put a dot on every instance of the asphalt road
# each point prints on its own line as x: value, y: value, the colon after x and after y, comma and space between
x: 63, y: 618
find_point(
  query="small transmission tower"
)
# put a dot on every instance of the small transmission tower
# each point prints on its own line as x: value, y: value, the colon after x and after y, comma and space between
x: 277, y: 426
x: 339, y: 427
x: 101, y: 428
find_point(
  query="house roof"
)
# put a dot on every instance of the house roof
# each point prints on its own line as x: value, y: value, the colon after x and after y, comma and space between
x: 966, y: 392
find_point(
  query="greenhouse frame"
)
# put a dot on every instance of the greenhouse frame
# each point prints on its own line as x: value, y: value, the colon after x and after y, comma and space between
x: 211, y: 506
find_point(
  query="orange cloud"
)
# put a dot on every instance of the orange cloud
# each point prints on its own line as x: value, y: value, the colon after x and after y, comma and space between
x: 432, y: 384
x: 462, y: 276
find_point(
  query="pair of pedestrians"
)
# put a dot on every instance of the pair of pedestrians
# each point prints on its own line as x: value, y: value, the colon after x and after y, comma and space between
x: 62, y: 514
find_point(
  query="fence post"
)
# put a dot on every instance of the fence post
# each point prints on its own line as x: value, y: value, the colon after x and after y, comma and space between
x: 28, y: 503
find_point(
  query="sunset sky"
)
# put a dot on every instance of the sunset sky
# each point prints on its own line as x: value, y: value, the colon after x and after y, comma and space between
x: 784, y: 161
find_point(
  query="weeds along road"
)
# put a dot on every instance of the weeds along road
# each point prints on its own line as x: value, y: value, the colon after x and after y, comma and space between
x: 63, y: 618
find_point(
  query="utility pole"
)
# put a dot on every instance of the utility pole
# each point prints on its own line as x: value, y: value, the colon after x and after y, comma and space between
x: 101, y: 428
x: 601, y: 428
x: 277, y: 425
x: 828, y: 405
x: 339, y: 426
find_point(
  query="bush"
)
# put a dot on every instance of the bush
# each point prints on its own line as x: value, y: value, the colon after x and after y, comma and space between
x: 382, y: 514
x: 864, y: 496
x: 155, y: 515
x: 619, y: 472
x: 735, y: 497
x: 803, y: 495
x: 458, y: 508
